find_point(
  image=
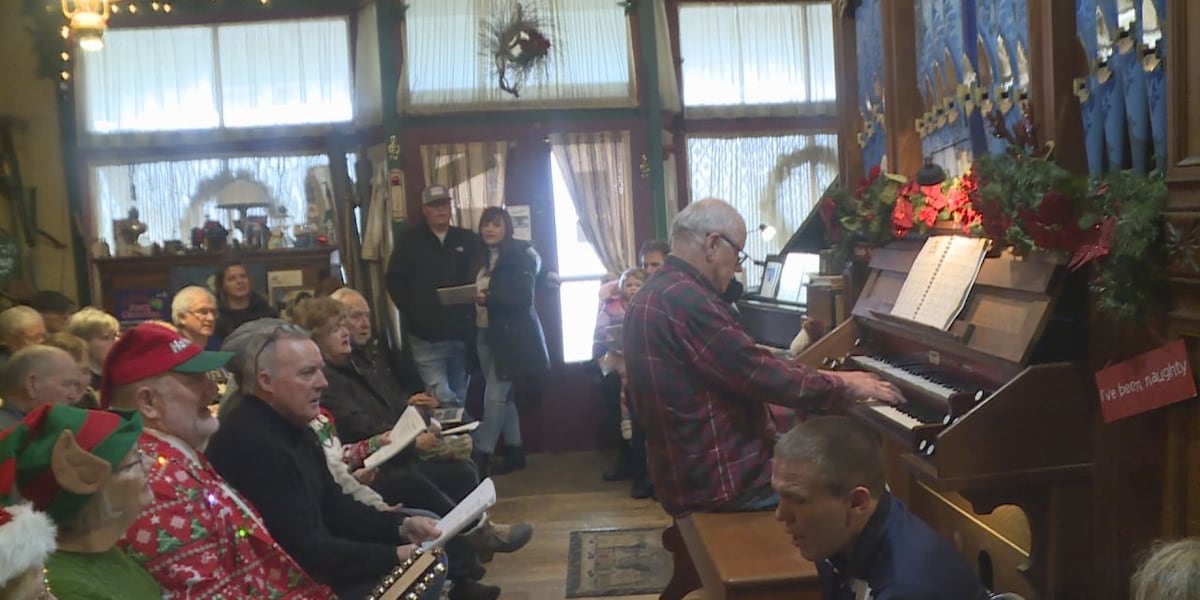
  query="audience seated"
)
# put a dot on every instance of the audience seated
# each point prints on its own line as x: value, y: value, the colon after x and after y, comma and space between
x: 99, y: 329
x: 55, y: 308
x: 237, y: 301
x: 829, y: 475
x: 84, y: 470
x: 26, y: 541
x: 1169, y: 571
x: 338, y: 540
x: 368, y: 410
x: 78, y: 349
x: 37, y: 376
x: 20, y: 326
x: 200, y: 538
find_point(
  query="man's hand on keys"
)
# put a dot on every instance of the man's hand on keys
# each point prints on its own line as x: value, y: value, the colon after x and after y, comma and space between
x: 868, y: 386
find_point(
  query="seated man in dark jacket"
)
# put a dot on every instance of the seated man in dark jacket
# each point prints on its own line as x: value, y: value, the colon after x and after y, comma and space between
x: 266, y: 450
x: 829, y: 475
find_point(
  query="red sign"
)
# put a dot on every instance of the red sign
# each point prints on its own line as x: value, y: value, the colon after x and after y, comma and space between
x: 1157, y: 378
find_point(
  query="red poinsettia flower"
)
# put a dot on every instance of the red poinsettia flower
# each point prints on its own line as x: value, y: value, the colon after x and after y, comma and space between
x: 902, y: 217
x: 928, y: 215
x: 827, y: 209
x: 934, y: 197
x: 1053, y: 225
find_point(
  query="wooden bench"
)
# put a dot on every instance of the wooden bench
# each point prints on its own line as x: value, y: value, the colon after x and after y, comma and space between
x: 737, y: 556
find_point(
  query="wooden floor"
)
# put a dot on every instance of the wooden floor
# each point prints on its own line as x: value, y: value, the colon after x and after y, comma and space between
x: 557, y: 494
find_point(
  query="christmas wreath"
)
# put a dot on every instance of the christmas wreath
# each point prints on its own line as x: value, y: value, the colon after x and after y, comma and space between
x: 517, y: 44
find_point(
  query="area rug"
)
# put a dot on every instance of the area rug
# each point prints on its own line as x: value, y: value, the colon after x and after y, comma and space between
x: 617, y: 562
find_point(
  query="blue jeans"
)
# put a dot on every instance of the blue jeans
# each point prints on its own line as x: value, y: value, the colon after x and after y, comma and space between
x: 499, y: 409
x: 443, y: 368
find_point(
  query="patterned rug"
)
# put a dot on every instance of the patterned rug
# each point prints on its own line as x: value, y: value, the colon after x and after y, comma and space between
x: 617, y: 562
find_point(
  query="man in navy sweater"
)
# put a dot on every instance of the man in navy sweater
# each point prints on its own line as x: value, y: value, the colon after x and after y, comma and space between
x: 867, y: 546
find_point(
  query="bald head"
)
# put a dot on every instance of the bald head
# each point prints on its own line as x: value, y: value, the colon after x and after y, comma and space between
x: 21, y: 326
x: 359, y: 313
x: 38, y: 375
x: 709, y: 235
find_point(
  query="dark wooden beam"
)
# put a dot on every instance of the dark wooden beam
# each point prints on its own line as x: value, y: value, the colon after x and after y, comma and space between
x: 845, y: 56
x: 901, y: 99
x: 1053, y: 49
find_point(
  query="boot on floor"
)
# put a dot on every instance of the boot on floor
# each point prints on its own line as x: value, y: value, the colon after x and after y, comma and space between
x: 642, y: 488
x: 467, y: 589
x: 490, y: 538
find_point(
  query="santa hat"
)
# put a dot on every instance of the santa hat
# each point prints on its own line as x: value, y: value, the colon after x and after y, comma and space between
x: 26, y: 539
x: 26, y: 448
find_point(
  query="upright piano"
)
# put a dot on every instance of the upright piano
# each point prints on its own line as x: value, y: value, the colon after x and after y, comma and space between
x: 994, y: 446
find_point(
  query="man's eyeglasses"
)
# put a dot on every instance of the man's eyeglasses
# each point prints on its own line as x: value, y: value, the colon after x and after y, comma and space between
x: 139, y: 459
x: 742, y: 256
x: 203, y: 312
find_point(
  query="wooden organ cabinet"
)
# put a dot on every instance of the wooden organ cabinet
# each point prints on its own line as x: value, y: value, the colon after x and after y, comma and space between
x: 1038, y: 494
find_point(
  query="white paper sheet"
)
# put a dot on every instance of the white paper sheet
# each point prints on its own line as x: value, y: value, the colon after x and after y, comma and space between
x: 469, y: 427
x: 407, y: 428
x: 470, y: 509
x: 460, y: 294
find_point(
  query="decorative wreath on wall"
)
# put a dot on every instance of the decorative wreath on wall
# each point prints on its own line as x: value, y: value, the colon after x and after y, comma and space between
x: 516, y: 42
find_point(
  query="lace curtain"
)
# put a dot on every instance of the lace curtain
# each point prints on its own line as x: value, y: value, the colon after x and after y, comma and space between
x: 757, y: 59
x: 597, y: 169
x: 217, y: 77
x: 474, y: 172
x: 773, y: 181
x: 173, y: 197
x: 446, y: 68
x: 368, y: 86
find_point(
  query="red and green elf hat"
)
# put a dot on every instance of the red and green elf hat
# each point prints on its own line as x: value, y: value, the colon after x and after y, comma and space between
x: 25, y: 450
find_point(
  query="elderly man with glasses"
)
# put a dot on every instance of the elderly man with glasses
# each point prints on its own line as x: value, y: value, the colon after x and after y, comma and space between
x: 194, y: 312
x: 200, y: 538
x: 699, y: 383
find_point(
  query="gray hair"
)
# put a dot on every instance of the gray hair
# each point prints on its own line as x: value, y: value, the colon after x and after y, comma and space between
x: 344, y: 293
x: 184, y: 298
x: 845, y: 454
x: 253, y: 348
x: 1170, y: 571
x: 703, y: 217
x: 31, y: 359
x: 14, y: 319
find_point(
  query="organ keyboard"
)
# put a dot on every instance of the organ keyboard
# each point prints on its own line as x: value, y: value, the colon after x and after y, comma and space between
x: 998, y: 412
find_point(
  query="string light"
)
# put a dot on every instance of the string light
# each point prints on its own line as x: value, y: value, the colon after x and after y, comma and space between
x: 65, y: 76
x: 133, y: 9
x: 154, y: 6
x: 65, y: 56
x: 65, y: 32
x: 167, y: 8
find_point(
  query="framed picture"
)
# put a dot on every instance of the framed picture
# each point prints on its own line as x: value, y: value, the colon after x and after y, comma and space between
x: 770, y: 279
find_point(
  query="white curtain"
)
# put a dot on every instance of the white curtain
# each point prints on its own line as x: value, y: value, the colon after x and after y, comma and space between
x: 172, y: 197
x: 447, y: 68
x: 757, y: 59
x: 774, y: 181
x: 368, y: 85
x: 264, y: 74
x: 598, y: 171
x: 474, y: 172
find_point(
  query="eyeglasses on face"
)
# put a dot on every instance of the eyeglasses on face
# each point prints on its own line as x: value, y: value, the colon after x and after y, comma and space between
x: 742, y: 255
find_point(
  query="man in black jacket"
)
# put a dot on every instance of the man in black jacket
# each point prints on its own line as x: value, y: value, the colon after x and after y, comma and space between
x: 427, y: 257
x: 338, y: 540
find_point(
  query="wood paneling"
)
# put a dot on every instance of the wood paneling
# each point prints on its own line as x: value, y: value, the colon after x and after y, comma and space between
x: 1054, y: 48
x: 902, y: 101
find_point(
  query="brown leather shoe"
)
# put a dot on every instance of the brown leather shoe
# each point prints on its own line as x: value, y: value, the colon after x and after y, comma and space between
x: 492, y: 538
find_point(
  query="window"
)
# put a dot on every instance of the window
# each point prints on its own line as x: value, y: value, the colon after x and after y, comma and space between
x: 590, y: 61
x: 777, y: 182
x: 224, y: 76
x: 757, y: 59
x: 580, y: 271
x: 172, y: 197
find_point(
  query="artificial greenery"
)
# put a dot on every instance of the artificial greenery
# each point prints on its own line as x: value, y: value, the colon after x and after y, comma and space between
x: 1128, y: 283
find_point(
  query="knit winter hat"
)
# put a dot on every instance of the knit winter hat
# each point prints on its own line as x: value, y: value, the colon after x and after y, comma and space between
x: 26, y: 539
x: 26, y: 448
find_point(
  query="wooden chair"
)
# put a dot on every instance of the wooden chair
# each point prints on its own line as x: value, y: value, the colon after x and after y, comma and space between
x: 737, y: 556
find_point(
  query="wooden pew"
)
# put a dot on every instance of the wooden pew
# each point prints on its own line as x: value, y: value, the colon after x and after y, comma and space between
x: 737, y: 556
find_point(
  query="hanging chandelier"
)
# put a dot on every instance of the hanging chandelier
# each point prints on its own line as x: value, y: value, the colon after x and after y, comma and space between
x: 88, y: 19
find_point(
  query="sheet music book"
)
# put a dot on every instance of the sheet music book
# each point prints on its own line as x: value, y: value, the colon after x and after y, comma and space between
x: 407, y: 428
x: 469, y: 427
x: 459, y: 294
x: 448, y: 416
x: 940, y: 280
x: 470, y: 509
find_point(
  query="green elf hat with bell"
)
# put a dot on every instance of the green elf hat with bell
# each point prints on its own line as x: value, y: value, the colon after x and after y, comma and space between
x: 27, y: 451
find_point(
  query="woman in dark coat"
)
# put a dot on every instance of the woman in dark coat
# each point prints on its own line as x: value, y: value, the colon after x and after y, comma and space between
x: 237, y: 302
x: 510, y: 342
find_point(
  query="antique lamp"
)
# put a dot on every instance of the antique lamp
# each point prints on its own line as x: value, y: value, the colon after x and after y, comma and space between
x: 88, y: 19
x: 930, y: 173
